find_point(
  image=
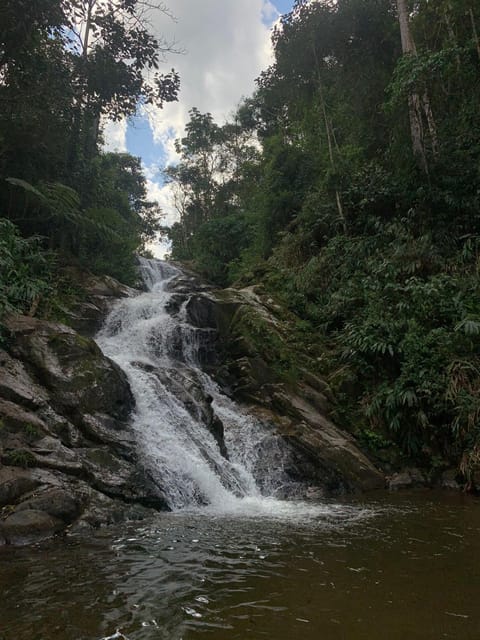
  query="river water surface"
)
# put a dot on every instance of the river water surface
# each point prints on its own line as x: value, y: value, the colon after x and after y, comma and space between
x: 403, y: 566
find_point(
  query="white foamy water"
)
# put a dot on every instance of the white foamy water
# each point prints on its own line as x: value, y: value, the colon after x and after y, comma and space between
x: 150, y: 338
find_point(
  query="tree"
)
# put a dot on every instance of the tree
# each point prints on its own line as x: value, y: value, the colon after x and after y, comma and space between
x: 115, y: 62
x: 95, y: 58
x: 417, y: 106
x: 21, y: 24
x: 207, y: 180
x: 68, y: 64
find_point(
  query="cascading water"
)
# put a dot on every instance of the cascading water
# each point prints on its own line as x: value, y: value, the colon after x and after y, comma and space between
x: 151, y: 340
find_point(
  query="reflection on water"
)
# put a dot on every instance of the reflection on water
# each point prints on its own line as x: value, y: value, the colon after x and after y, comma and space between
x: 401, y: 567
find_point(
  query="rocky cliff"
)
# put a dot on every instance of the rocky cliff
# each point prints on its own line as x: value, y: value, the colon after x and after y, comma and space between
x: 262, y: 369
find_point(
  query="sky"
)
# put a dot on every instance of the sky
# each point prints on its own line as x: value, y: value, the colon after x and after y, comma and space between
x: 224, y: 45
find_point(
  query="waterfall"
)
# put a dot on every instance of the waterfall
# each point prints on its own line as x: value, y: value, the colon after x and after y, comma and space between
x: 180, y: 410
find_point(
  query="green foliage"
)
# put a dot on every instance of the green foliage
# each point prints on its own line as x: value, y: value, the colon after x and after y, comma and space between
x: 266, y: 339
x: 19, y: 458
x: 32, y: 431
x: 25, y: 270
x: 66, y: 66
x: 312, y: 187
x: 217, y: 259
x: 104, y: 229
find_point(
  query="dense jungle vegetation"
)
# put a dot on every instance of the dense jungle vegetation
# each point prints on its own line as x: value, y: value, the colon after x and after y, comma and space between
x: 348, y: 185
x: 66, y: 67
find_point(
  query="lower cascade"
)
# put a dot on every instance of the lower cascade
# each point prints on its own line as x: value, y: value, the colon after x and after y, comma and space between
x: 200, y: 447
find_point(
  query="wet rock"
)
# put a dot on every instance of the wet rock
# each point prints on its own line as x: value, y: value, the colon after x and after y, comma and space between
x: 200, y: 312
x: 14, y: 483
x: 103, y: 510
x: 18, y: 419
x: 95, y: 297
x: 450, y: 480
x: 407, y: 479
x: 105, y: 429
x: 175, y: 303
x: 64, y: 435
x: 87, y: 317
x: 26, y: 527
x: 107, y: 287
x: 258, y: 357
x: 56, y: 502
x: 71, y: 367
x: 17, y: 386
x: 188, y: 282
x: 321, y: 454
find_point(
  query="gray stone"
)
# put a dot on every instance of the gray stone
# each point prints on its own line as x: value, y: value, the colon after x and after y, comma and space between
x: 15, y: 483
x: 71, y: 367
x: 407, y: 479
x: 449, y: 480
x: 17, y: 386
x: 26, y: 527
x: 324, y: 454
x: 58, y: 503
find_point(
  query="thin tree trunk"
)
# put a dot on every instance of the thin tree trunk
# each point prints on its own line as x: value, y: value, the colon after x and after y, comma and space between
x: 81, y: 144
x: 432, y: 127
x: 88, y: 27
x: 338, y: 198
x: 452, y: 36
x: 474, y: 31
x: 416, y: 130
x: 328, y: 130
x: 408, y: 44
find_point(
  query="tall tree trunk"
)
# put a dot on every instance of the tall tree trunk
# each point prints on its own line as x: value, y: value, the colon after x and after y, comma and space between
x: 88, y: 26
x: 85, y: 129
x: 417, y: 107
x: 330, y: 136
x: 474, y: 31
x: 451, y: 35
x: 414, y: 108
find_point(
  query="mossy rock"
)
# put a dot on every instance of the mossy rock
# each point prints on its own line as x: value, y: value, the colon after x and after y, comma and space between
x: 71, y: 367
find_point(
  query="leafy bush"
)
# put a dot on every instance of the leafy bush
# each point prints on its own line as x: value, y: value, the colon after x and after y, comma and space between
x: 25, y: 270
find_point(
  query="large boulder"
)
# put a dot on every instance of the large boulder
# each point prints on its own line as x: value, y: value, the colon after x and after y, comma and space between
x: 67, y: 452
x: 265, y: 370
x: 70, y: 366
x: 28, y: 526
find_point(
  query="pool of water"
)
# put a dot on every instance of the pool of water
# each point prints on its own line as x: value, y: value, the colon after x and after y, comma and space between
x: 402, y: 566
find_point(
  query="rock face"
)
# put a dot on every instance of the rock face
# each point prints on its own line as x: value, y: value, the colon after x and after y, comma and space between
x: 261, y: 369
x: 99, y: 293
x: 66, y: 451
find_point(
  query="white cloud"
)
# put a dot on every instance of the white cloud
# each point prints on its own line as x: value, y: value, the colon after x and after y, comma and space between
x: 227, y: 45
x: 115, y: 135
